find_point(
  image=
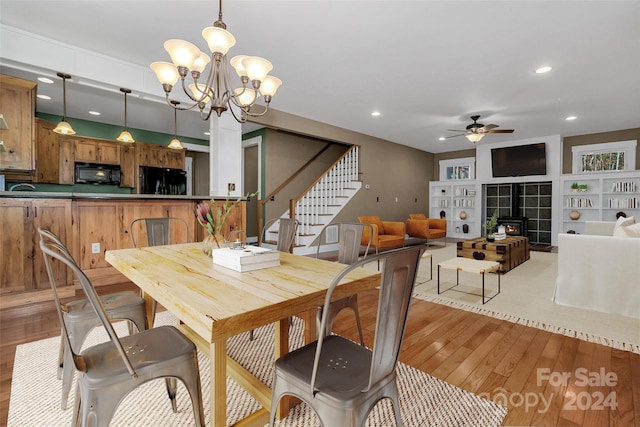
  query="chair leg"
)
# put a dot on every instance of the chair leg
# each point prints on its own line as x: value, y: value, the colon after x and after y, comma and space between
x: 172, y: 386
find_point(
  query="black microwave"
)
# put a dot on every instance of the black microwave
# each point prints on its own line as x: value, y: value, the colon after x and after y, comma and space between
x: 91, y: 173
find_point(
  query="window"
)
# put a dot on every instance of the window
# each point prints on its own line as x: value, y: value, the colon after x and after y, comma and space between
x: 606, y: 157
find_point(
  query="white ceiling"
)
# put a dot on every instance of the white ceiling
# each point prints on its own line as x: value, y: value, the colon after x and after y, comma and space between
x: 425, y: 65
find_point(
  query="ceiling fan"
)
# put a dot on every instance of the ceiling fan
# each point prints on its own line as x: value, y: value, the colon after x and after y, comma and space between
x: 476, y: 131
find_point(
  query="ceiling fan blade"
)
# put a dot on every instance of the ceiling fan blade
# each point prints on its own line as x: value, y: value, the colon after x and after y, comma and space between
x: 489, y: 127
x: 453, y: 136
x: 455, y: 130
x: 500, y: 131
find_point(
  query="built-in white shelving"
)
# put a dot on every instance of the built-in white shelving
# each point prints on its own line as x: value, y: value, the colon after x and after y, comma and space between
x: 605, y: 195
x: 460, y: 201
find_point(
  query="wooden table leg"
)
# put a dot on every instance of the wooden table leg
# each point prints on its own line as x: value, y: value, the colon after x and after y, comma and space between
x: 219, y: 383
x: 148, y: 307
x: 310, y: 326
x: 281, y: 347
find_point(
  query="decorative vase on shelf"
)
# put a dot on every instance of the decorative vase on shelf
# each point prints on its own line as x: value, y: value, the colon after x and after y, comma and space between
x: 491, y: 237
x: 574, y: 215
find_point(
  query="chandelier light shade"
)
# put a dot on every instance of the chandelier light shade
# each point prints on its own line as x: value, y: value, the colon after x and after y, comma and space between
x: 474, y: 137
x: 175, y: 142
x: 125, y: 136
x: 216, y: 92
x: 64, y: 127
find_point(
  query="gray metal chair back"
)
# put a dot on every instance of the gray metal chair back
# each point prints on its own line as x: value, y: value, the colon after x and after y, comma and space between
x: 349, y: 244
x: 287, y: 229
x: 107, y: 372
x: 349, y: 238
x: 159, y: 230
x: 346, y: 380
x: 80, y: 317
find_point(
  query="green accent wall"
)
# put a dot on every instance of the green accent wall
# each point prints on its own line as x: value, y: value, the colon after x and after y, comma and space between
x: 111, y: 132
x: 81, y: 188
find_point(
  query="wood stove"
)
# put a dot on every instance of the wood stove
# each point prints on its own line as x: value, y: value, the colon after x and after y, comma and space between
x: 514, y: 225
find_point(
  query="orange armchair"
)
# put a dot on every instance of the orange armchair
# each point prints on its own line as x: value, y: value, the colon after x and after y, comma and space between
x: 419, y: 225
x: 386, y: 234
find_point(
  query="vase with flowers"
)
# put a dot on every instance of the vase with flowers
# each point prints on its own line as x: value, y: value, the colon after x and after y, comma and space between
x: 211, y: 216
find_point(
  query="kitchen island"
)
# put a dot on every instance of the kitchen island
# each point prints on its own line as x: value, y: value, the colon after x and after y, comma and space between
x: 89, y: 224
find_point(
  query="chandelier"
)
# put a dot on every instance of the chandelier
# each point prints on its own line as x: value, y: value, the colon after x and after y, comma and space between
x: 216, y: 93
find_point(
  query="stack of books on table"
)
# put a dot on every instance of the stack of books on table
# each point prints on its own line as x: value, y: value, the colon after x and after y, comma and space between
x: 248, y: 258
x: 500, y: 236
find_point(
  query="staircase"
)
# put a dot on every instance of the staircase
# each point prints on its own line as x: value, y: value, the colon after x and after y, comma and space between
x: 316, y: 207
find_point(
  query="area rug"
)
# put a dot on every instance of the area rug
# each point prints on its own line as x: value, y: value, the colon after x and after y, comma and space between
x: 526, y: 298
x: 425, y: 400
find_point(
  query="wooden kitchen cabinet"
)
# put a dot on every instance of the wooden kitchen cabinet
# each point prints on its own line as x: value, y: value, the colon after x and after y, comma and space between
x: 96, y: 151
x: 23, y: 275
x: 159, y: 156
x: 173, y: 159
x: 18, y: 106
x: 128, y: 170
x: 47, y: 153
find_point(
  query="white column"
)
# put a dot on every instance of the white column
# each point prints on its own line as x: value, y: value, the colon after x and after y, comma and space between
x: 225, y: 157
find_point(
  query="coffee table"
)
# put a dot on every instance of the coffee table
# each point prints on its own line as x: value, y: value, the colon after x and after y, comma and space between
x: 509, y: 252
x: 470, y: 266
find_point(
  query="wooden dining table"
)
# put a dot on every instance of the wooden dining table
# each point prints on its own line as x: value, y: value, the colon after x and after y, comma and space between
x: 214, y: 303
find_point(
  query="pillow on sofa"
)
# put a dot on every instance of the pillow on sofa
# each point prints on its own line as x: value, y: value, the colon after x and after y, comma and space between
x: 626, y: 227
x: 417, y: 216
x: 374, y: 219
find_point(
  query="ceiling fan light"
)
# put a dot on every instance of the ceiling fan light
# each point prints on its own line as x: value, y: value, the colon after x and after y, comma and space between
x: 270, y: 85
x: 165, y: 72
x: 64, y: 128
x: 257, y: 68
x: 218, y: 39
x: 474, y: 137
x: 183, y: 53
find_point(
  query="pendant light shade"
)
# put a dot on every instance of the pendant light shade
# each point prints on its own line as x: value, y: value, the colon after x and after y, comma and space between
x: 64, y: 127
x: 125, y: 136
x: 175, y: 142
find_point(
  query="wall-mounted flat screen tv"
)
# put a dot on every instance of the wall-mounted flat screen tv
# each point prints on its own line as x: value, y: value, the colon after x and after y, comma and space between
x: 520, y: 160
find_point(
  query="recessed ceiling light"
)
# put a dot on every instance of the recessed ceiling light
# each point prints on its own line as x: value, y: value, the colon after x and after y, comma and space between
x: 47, y: 97
x: 375, y: 113
x: 45, y: 80
x: 442, y: 138
x: 207, y: 133
x: 94, y: 113
x: 570, y: 118
x: 544, y: 69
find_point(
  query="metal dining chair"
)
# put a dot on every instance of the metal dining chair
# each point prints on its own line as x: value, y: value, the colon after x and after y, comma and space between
x: 109, y: 371
x: 340, y: 379
x: 287, y: 229
x: 349, y: 238
x: 81, y: 319
x: 157, y: 232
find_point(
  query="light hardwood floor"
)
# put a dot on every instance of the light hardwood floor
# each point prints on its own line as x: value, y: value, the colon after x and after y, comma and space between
x: 474, y: 352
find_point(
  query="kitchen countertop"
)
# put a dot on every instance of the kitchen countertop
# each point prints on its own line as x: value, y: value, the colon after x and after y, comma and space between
x: 95, y: 196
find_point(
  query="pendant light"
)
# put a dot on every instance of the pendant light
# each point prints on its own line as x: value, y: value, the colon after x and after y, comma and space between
x: 64, y: 127
x: 125, y: 136
x: 175, y: 142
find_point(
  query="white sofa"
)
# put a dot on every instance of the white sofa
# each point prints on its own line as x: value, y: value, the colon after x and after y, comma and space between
x: 599, y: 272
